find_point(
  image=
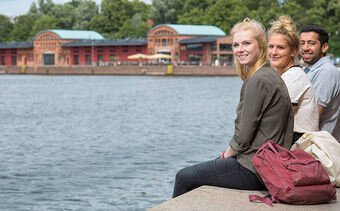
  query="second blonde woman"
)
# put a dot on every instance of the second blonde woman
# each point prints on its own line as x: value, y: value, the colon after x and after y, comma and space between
x: 283, y: 46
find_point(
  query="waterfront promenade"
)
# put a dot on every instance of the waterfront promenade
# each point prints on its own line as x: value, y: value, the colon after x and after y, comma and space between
x: 185, y: 70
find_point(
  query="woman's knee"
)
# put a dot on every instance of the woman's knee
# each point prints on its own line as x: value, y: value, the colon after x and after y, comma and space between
x: 183, y: 176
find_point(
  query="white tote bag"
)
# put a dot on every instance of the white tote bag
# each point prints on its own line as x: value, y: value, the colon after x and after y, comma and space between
x: 325, y: 148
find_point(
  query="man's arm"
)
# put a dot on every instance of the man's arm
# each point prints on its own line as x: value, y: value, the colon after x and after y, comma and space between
x: 295, y: 107
x: 320, y: 108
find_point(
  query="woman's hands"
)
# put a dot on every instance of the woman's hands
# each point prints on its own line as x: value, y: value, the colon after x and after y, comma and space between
x: 229, y: 153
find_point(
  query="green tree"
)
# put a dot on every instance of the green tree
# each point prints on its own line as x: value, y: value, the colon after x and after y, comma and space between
x: 251, y: 4
x: 86, y: 10
x: 192, y: 11
x: 133, y: 28
x: 317, y: 13
x: 333, y: 12
x: 141, y: 8
x: 64, y: 15
x: 193, y: 17
x: 296, y: 11
x: 141, y: 28
x: 225, y: 13
x: 34, y: 11
x: 179, y: 7
x: 163, y: 11
x: 45, y: 22
x: 127, y: 30
x: 98, y: 24
x: 333, y: 27
x: 45, y: 7
x: 267, y: 11
x: 74, y: 3
x: 22, y: 28
x: 185, y: 6
x: 6, y: 27
x: 115, y: 13
x: 136, y: 19
x: 334, y: 44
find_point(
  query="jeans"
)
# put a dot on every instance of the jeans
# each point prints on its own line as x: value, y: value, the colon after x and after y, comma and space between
x: 222, y: 172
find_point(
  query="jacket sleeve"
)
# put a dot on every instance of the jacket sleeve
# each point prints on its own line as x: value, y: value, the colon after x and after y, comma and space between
x: 253, y: 101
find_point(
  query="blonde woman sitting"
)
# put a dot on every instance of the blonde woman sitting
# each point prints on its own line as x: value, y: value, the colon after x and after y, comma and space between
x: 264, y: 112
x: 283, y: 46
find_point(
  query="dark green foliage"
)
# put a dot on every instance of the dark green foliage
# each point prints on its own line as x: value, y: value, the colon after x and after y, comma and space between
x: 45, y: 22
x: 116, y: 19
x: 22, y: 27
x: 163, y: 11
x: 6, y: 27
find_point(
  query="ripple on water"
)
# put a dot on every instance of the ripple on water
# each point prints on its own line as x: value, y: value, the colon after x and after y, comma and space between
x: 107, y: 142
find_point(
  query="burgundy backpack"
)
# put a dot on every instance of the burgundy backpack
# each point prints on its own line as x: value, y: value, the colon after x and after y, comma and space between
x: 292, y: 177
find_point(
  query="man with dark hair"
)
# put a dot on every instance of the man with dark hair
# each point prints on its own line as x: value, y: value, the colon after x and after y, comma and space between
x: 324, y: 76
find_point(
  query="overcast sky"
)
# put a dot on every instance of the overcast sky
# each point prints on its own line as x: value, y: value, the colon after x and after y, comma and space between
x: 14, y: 8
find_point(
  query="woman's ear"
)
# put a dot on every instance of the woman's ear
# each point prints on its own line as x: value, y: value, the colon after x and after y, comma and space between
x: 293, y: 53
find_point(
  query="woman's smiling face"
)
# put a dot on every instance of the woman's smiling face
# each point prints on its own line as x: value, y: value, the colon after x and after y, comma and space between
x: 245, y: 47
x: 279, y: 53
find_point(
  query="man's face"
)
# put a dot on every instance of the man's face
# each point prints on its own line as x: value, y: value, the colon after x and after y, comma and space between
x: 310, y: 47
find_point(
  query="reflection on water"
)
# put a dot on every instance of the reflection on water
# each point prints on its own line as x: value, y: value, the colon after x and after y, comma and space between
x: 107, y: 142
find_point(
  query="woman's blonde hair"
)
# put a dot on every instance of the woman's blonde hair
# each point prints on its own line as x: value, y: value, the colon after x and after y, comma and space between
x: 260, y: 36
x: 284, y: 25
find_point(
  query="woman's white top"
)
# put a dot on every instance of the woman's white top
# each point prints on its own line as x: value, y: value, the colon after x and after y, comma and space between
x: 301, y: 93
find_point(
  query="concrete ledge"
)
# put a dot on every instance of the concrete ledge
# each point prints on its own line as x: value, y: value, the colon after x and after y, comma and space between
x: 208, y: 198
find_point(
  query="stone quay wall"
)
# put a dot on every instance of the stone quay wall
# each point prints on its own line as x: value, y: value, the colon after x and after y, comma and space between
x: 122, y: 70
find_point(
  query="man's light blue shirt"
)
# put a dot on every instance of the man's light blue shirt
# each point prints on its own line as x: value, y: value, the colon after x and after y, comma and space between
x: 325, y: 78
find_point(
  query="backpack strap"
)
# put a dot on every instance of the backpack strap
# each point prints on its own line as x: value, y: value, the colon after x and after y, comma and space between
x: 273, y: 146
x: 267, y: 199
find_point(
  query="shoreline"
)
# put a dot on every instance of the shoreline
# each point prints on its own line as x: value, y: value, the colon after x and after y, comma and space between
x: 151, y: 70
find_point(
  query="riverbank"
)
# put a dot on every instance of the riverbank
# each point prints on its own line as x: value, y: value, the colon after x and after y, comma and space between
x: 122, y: 70
x: 218, y: 199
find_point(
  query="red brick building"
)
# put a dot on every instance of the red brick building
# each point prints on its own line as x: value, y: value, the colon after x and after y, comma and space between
x: 193, y: 44
x: 45, y: 49
x: 100, y: 52
x: 16, y: 53
x: 188, y: 43
x: 48, y: 45
x: 207, y: 50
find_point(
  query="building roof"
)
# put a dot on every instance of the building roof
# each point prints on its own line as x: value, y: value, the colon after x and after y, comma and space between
x: 194, y: 29
x: 74, y: 34
x: 107, y: 42
x: 14, y: 45
x: 200, y: 39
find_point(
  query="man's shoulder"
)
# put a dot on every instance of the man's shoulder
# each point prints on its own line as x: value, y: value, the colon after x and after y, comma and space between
x: 326, y: 75
x: 329, y: 71
x: 326, y: 65
x: 326, y: 70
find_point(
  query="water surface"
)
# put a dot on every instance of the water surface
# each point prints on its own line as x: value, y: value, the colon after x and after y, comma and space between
x: 107, y: 142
